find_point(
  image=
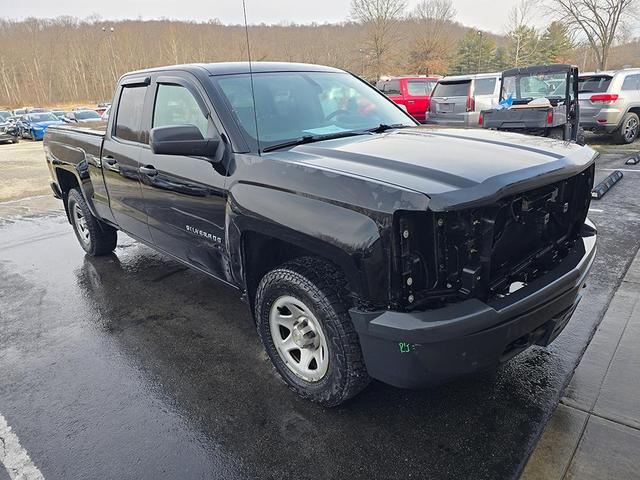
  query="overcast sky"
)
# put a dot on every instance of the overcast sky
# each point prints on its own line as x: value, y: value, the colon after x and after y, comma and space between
x: 484, y: 14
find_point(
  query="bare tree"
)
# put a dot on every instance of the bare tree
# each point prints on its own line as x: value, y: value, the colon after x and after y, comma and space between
x: 380, y: 17
x: 523, y: 38
x: 600, y: 21
x: 432, y: 46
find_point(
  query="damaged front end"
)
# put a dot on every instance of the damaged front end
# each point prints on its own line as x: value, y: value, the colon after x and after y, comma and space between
x: 489, y: 251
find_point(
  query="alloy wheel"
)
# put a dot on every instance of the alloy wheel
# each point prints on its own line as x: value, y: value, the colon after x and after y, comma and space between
x: 631, y: 129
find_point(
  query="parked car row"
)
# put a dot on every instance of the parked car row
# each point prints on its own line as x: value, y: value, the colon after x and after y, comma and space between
x: 31, y: 123
x: 609, y: 101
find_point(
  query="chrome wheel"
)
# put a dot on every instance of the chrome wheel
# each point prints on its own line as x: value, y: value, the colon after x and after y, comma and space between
x: 80, y: 223
x: 299, y: 339
x: 630, y: 131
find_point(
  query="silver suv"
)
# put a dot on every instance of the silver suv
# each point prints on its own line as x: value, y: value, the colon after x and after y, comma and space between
x: 457, y: 101
x: 610, y: 102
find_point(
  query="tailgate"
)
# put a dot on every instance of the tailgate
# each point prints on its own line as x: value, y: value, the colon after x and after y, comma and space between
x: 516, y: 118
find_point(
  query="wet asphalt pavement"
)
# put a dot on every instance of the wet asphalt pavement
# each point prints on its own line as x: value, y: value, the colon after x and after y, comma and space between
x: 132, y: 366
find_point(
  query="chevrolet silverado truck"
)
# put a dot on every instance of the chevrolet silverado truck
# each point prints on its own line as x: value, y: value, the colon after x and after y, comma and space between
x: 365, y: 246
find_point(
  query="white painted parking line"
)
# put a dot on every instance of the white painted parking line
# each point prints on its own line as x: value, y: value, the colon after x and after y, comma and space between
x: 25, y: 199
x: 596, y: 210
x: 15, y: 458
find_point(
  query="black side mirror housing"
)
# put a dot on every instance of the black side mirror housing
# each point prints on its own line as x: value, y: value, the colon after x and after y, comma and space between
x: 184, y: 140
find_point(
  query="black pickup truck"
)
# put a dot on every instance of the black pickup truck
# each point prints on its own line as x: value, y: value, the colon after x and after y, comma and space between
x: 366, y: 246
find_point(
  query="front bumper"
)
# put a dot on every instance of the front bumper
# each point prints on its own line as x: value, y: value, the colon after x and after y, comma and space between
x: 416, y: 349
x: 7, y: 137
x: 36, y: 134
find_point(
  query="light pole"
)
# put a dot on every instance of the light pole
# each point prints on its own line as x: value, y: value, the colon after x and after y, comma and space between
x: 479, y: 51
x: 109, y: 31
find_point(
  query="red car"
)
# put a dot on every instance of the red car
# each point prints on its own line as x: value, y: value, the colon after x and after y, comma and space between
x: 412, y: 92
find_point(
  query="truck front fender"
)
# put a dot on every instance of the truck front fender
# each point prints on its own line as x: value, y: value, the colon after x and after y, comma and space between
x: 350, y: 239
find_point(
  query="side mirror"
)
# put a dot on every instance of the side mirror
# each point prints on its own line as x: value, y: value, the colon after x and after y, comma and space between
x: 184, y: 140
x: 403, y: 107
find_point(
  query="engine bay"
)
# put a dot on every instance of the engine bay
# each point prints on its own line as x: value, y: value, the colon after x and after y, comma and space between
x: 490, y: 251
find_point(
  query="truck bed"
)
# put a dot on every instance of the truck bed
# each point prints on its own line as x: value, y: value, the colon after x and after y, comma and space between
x: 98, y: 128
x: 524, y: 118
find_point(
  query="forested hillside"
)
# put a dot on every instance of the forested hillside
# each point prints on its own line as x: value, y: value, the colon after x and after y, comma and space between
x: 69, y: 60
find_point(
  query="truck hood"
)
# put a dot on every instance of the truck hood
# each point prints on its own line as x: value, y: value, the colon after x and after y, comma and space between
x: 455, y: 168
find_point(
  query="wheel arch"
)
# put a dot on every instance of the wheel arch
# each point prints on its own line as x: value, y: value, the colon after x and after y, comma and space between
x: 635, y: 109
x: 282, y: 226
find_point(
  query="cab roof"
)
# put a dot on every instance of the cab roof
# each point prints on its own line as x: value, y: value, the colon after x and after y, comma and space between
x: 455, y: 78
x: 537, y: 69
x: 234, y: 68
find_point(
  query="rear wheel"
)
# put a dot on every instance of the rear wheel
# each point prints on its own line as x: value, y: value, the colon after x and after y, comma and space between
x: 305, y: 328
x: 556, y: 133
x: 629, y: 128
x: 95, y: 237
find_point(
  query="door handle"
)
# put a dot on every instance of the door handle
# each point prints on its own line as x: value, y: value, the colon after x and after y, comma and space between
x: 411, y: 101
x: 110, y: 160
x: 149, y: 170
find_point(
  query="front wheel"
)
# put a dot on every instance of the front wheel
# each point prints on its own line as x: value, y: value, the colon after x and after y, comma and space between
x: 629, y: 128
x: 95, y: 237
x: 305, y: 328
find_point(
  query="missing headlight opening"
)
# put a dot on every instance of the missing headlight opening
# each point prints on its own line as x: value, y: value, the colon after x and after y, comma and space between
x: 490, y: 251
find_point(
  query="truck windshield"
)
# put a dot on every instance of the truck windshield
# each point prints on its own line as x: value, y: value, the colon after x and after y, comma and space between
x: 290, y: 105
x: 524, y: 88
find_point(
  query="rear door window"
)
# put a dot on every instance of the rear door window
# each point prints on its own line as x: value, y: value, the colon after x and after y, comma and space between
x: 632, y: 82
x: 594, y: 84
x: 392, y: 87
x: 452, y: 89
x: 129, y: 116
x: 485, y: 86
x: 419, y: 88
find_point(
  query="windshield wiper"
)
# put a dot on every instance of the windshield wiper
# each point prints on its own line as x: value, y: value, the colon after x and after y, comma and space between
x: 312, y: 138
x: 383, y: 127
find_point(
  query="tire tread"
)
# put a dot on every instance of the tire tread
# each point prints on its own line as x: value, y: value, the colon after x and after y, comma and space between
x: 330, y: 295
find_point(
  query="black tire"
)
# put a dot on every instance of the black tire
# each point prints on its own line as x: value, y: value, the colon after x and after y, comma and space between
x: 556, y: 133
x: 15, y: 140
x: 95, y: 237
x: 628, y: 130
x: 320, y: 287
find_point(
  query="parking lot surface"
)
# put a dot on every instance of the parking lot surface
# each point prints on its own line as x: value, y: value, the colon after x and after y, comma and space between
x: 133, y: 366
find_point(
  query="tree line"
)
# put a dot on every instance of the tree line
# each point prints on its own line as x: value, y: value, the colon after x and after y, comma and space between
x: 68, y: 60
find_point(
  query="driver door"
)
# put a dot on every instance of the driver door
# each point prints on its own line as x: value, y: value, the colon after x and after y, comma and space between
x: 184, y: 195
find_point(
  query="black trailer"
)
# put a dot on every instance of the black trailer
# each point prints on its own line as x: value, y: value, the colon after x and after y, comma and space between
x: 545, y: 102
